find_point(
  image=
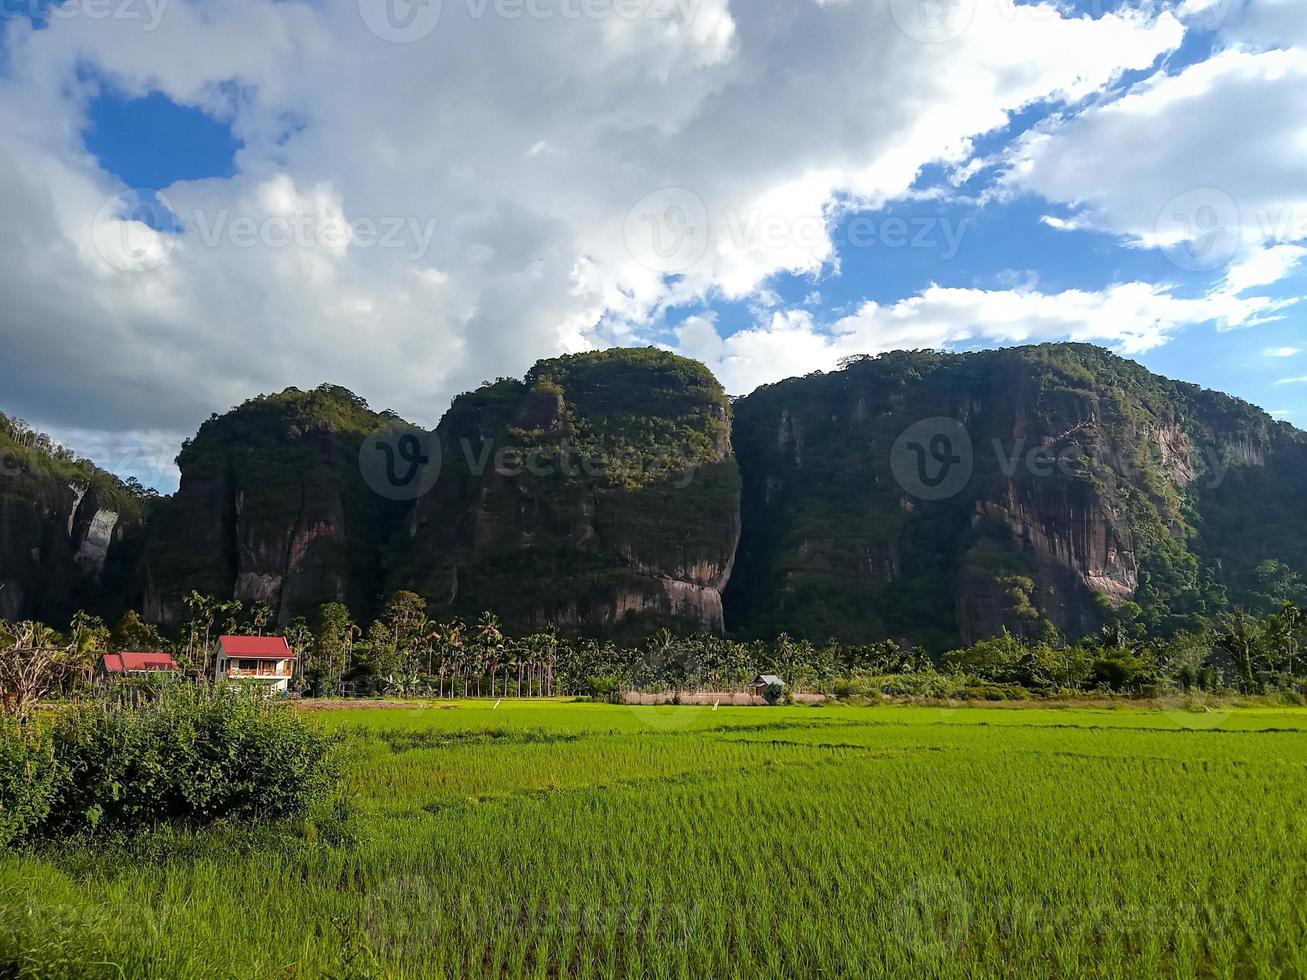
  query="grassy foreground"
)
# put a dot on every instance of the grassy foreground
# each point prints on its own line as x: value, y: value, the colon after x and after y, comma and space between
x: 545, y: 839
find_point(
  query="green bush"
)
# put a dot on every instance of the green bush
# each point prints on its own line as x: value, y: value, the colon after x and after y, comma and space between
x: 29, y: 781
x: 604, y: 687
x: 194, y: 756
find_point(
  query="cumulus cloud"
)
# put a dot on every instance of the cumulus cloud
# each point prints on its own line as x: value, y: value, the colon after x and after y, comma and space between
x: 1206, y: 163
x: 1131, y: 317
x: 1261, y: 23
x: 524, y: 142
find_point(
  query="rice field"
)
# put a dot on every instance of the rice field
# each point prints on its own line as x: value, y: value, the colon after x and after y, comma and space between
x: 543, y: 839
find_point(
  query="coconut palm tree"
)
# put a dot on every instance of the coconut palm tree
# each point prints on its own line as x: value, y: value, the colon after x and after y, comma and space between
x: 490, y: 641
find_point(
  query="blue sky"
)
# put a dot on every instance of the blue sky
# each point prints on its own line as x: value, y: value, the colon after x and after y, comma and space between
x: 1003, y: 174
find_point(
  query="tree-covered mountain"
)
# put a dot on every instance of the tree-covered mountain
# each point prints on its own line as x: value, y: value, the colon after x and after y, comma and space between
x: 70, y: 533
x: 1084, y: 489
x: 599, y: 493
x: 273, y: 507
x: 922, y: 496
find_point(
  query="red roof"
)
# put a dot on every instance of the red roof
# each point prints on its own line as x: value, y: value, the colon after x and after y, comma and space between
x: 121, y: 663
x: 266, y: 647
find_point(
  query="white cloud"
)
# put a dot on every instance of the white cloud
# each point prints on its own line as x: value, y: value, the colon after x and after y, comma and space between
x: 1282, y: 352
x: 1131, y: 317
x: 1263, y: 23
x: 1207, y: 163
x: 1263, y: 267
x: 527, y: 141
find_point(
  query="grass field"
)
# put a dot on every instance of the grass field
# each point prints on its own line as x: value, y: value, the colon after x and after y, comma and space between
x: 544, y: 839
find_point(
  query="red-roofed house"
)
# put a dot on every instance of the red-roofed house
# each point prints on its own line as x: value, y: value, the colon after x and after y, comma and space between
x: 129, y: 663
x: 256, y: 658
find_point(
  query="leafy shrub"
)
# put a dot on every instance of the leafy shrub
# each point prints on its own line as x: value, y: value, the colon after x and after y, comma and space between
x: 604, y: 687
x: 29, y: 781
x: 194, y: 756
x: 928, y: 685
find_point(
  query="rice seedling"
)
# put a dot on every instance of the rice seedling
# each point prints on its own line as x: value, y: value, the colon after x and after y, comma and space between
x: 546, y: 838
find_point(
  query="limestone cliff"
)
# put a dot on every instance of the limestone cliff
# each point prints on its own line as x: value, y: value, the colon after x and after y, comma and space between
x: 599, y: 494
x: 273, y: 506
x: 924, y: 496
x: 70, y: 533
x: 1081, y: 487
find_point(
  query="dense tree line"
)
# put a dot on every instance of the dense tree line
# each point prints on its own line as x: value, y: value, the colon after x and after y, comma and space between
x: 405, y: 652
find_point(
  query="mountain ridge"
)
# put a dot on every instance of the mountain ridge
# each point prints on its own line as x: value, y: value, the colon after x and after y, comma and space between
x: 1096, y: 491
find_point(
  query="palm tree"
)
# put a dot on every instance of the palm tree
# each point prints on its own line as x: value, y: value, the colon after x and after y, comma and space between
x: 260, y: 616
x: 448, y: 640
x: 490, y: 639
x: 516, y: 658
x: 88, y: 641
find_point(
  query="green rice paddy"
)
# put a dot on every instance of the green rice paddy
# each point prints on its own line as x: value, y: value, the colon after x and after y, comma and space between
x: 544, y: 839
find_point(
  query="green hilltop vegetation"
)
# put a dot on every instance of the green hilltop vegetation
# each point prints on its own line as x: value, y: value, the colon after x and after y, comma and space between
x: 277, y: 475
x: 1175, y: 496
x: 24, y: 451
x: 55, y: 509
x: 631, y: 481
x: 1168, y: 507
x: 1134, y: 621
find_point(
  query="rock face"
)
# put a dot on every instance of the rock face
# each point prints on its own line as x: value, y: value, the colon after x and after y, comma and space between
x: 1081, y: 487
x: 932, y: 498
x: 599, y: 494
x: 70, y: 535
x: 273, y: 507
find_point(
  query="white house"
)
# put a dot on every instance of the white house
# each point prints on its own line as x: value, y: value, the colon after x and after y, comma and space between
x: 263, y: 659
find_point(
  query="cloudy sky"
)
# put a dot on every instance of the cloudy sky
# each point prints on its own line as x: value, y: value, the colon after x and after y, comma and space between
x: 208, y: 199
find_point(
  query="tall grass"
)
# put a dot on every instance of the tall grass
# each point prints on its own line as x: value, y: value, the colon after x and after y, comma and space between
x: 545, y: 839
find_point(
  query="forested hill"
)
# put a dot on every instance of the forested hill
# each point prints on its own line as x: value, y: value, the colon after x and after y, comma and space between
x: 70, y: 533
x: 1085, y: 488
x: 922, y: 496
